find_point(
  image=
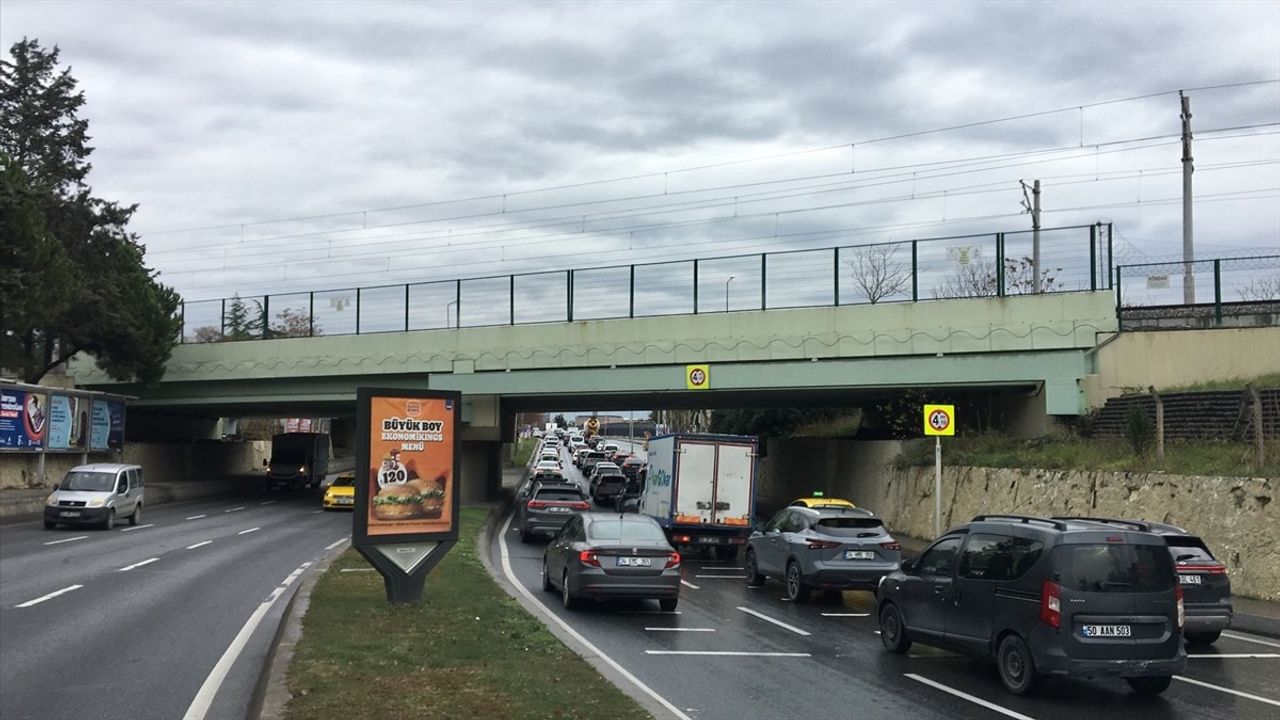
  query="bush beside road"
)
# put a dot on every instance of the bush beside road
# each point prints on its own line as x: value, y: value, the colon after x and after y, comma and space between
x: 468, y: 650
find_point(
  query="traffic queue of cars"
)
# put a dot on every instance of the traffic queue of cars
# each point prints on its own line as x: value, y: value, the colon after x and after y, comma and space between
x: 1081, y: 597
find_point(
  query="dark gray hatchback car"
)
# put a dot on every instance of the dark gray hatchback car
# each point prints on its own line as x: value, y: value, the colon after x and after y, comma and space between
x: 1043, y: 597
x: 612, y: 555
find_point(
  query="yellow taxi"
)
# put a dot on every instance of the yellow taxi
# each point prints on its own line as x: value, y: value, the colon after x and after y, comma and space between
x: 341, y: 495
x: 818, y: 500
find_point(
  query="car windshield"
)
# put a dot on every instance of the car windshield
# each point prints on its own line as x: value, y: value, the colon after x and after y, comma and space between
x: 850, y: 526
x: 605, y: 467
x: 1186, y: 548
x: 288, y: 458
x: 1114, y: 567
x: 608, y: 530
x: 595, y: 454
x: 558, y: 495
x: 605, y: 479
x: 91, y: 481
x: 344, y: 482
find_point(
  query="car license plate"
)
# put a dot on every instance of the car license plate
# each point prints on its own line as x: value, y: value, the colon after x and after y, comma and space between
x: 345, y: 501
x: 709, y: 540
x: 859, y: 555
x: 557, y: 509
x: 69, y: 513
x: 1190, y: 580
x: 634, y: 562
x: 1106, y: 631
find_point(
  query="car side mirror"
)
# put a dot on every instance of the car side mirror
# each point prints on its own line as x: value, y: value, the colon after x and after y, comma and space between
x: 908, y: 567
x: 55, y: 486
x: 266, y: 462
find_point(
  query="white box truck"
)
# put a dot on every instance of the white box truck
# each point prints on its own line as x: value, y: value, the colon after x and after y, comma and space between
x: 701, y: 489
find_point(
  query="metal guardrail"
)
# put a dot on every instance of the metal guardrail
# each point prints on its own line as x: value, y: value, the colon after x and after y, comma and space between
x: 1073, y: 259
x: 1217, y: 292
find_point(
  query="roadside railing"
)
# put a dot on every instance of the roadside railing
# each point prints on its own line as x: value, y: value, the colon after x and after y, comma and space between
x: 1217, y: 292
x: 1072, y: 259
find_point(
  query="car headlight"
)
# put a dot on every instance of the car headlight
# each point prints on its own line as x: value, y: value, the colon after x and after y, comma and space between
x: 96, y: 502
x: 52, y: 500
x: 302, y: 468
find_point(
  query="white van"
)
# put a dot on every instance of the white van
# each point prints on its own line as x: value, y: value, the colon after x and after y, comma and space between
x: 96, y: 494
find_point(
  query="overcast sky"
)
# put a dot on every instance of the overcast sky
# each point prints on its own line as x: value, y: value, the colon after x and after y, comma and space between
x: 219, y: 118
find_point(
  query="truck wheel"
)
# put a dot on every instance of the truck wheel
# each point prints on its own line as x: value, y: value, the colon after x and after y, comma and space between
x: 754, y: 578
x: 726, y: 552
x: 797, y: 591
x: 1150, y: 685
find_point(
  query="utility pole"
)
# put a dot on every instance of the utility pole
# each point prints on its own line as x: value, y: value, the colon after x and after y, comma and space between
x: 1188, y: 167
x: 1033, y: 206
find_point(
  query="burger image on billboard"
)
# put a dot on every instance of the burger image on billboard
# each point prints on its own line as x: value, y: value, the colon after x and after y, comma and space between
x: 431, y: 496
x: 398, y: 502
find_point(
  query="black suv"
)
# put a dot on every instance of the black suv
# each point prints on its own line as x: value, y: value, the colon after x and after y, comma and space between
x: 1043, y: 597
x: 1206, y: 588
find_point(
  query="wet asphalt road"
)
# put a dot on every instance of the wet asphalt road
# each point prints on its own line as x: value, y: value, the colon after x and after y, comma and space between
x: 737, y: 653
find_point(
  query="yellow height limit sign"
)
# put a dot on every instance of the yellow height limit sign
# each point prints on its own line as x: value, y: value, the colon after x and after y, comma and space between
x: 939, y: 420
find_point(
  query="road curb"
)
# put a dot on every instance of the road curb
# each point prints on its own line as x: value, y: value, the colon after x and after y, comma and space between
x: 271, y: 694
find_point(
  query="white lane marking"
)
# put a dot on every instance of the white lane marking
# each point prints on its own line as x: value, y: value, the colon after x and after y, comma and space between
x: 723, y: 577
x: 727, y: 653
x: 662, y: 629
x: 204, y: 697
x: 335, y: 544
x: 933, y: 656
x: 50, y: 596
x: 511, y: 576
x: 1235, y: 636
x: 357, y: 570
x: 646, y: 612
x: 199, y: 544
x: 317, y: 512
x: 246, y: 532
x: 975, y: 700
x: 1236, y: 656
x: 234, y: 509
x: 1219, y: 688
x: 268, y: 502
x: 197, y: 517
x: 721, y: 567
x: 846, y: 614
x: 148, y: 561
x: 70, y: 539
x: 137, y: 527
x: 688, y: 584
x: 779, y: 623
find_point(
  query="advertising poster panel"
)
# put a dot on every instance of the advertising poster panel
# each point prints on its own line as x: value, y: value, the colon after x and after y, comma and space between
x: 23, y: 419
x: 65, y: 425
x: 107, y: 425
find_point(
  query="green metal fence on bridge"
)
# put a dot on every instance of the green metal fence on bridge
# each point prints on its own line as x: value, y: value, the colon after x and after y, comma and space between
x: 1217, y: 292
x: 1072, y: 259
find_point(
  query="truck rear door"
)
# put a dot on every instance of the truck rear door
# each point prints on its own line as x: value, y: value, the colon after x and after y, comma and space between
x: 695, y: 482
x: 734, y: 475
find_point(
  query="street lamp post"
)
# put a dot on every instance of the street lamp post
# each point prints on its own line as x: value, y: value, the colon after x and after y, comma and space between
x: 448, y: 314
x: 726, y: 292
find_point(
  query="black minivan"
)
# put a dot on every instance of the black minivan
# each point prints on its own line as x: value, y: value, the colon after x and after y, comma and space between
x: 1043, y: 597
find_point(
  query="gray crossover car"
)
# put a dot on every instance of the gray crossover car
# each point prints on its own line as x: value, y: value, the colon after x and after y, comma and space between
x: 611, y: 555
x: 1043, y: 597
x: 822, y: 548
x: 547, y: 506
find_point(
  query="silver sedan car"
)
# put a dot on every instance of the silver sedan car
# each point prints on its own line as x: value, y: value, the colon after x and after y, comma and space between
x: 610, y: 555
x: 822, y: 548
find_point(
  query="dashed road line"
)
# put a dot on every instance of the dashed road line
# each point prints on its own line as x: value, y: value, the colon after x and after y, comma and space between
x: 197, y: 517
x: 688, y: 584
x: 335, y: 544
x: 721, y: 567
x: 136, y: 565
x: 50, y: 596
x: 665, y: 629
x: 846, y: 614
x: 1238, y: 636
x: 246, y: 532
x: 66, y: 540
x: 728, y: 653
x: 1236, y: 656
x: 200, y: 544
x: 268, y: 502
x: 975, y: 700
x: 775, y: 621
x: 234, y: 509
x: 137, y: 527
x: 722, y: 577
x: 1219, y: 688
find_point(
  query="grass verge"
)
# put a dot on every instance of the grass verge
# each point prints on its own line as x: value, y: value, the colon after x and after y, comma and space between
x: 524, y: 450
x: 468, y: 650
x: 1071, y: 453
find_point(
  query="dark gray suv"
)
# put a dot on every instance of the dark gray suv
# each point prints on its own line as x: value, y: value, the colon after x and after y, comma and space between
x: 1043, y: 597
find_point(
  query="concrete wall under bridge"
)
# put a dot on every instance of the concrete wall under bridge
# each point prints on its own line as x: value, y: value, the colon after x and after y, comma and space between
x: 1236, y: 516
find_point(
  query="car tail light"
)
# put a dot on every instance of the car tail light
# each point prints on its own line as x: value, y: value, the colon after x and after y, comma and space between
x: 1211, y: 569
x: 536, y: 505
x: 1182, y: 609
x: 1051, y: 604
x: 588, y: 557
x: 891, y: 545
x: 673, y: 560
x: 580, y: 505
x: 822, y: 544
x: 682, y: 538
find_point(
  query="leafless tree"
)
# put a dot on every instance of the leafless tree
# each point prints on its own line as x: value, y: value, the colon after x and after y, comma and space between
x: 877, y: 274
x: 979, y: 279
x: 207, y: 334
x: 1261, y: 289
x: 294, y: 323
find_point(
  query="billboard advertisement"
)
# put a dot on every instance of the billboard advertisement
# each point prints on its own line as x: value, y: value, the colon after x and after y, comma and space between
x: 107, y: 425
x: 408, y: 466
x: 68, y: 422
x: 23, y: 419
